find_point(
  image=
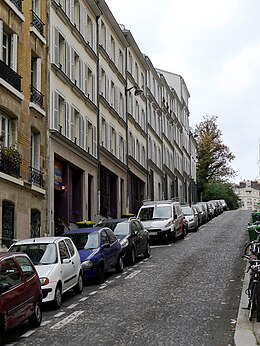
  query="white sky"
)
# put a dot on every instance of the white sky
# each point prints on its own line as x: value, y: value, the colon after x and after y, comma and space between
x: 215, y: 46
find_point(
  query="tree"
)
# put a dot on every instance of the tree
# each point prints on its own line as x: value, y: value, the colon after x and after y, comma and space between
x: 221, y: 190
x: 213, y: 157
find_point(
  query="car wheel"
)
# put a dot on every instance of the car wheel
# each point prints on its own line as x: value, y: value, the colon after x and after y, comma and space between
x: 2, y: 332
x: 36, y: 318
x: 119, y: 267
x: 147, y: 252
x: 100, y: 273
x: 79, y: 286
x: 57, y: 298
x: 132, y: 258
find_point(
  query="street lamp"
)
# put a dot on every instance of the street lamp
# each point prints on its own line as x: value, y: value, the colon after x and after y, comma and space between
x: 137, y: 92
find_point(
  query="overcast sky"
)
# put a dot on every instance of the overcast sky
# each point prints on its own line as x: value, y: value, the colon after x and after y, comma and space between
x: 215, y: 46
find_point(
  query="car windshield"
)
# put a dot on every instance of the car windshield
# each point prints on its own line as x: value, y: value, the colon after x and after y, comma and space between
x: 122, y: 228
x: 156, y: 212
x: 40, y: 254
x: 187, y: 210
x: 85, y: 240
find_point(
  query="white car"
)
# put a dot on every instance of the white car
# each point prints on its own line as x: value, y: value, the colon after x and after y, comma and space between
x: 58, y: 265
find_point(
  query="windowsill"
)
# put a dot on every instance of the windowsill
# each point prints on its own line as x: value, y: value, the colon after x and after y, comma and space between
x: 38, y: 189
x: 36, y: 32
x: 11, y: 179
x: 12, y: 89
x: 37, y: 108
x: 15, y: 9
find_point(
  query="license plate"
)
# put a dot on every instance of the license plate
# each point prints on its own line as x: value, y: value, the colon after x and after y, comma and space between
x: 153, y: 233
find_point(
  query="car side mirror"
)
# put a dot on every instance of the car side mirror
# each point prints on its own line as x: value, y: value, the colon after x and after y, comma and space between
x: 4, y: 287
x: 105, y: 246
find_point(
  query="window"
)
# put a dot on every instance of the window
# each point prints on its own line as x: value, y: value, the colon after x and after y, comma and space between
x: 77, y: 13
x: 26, y: 267
x: 9, y: 273
x: 102, y: 82
x: 35, y: 223
x: 8, y: 47
x: 136, y: 73
x: 103, y: 34
x: 59, y: 112
x: 104, y: 237
x: 6, y: 130
x: 35, y: 150
x: 90, y: 31
x: 121, y: 62
x: 112, y: 49
x: 70, y: 247
x: 60, y: 50
x: 7, y: 223
x: 36, y: 95
x: 112, y: 94
x: 63, y: 250
x: 130, y: 62
x: 111, y: 236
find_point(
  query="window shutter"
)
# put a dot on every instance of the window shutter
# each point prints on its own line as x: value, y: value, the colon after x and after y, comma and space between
x: 94, y: 37
x: 86, y: 134
x: 67, y: 120
x: 124, y: 151
x: 108, y: 41
x: 117, y: 145
x: 81, y: 74
x: 14, y: 52
x: 81, y: 131
x: 117, y: 99
x: 56, y: 47
x: 37, y: 151
x: 1, y: 39
x: 55, y: 110
x: 67, y: 10
x: 94, y: 136
x: 72, y: 116
x: 72, y: 11
x: 67, y: 68
x: 86, y: 80
x: 108, y: 90
x: 93, y: 89
x: 107, y: 136
x: 100, y: 79
x: 38, y: 74
x: 72, y: 63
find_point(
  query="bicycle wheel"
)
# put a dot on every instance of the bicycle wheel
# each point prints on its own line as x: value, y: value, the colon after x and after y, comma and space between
x: 248, y: 248
x: 253, y: 301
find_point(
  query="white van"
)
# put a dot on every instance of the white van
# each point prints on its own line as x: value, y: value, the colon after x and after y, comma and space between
x: 163, y: 219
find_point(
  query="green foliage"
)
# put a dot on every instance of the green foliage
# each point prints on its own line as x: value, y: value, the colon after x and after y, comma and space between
x: 213, y: 156
x: 221, y: 190
x: 12, y: 154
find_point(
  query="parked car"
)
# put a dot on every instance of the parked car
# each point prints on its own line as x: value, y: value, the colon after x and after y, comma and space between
x: 163, y: 219
x: 200, y: 213
x: 224, y: 204
x: 58, y: 265
x: 99, y: 251
x: 20, y: 292
x: 191, y: 217
x: 134, y: 238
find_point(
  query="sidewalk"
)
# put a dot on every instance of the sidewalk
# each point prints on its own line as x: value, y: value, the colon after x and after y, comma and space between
x: 246, y: 333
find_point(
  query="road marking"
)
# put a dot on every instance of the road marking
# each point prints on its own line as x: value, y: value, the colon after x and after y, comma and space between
x: 72, y: 306
x: 60, y: 314
x: 92, y: 293
x: 27, y: 334
x: 83, y: 299
x: 102, y: 286
x: 67, y: 319
x: 45, y: 323
x: 133, y: 274
x: 118, y: 277
x: 168, y: 245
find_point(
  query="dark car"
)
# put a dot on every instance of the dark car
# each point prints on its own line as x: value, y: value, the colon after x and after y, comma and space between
x: 134, y: 238
x: 20, y: 292
x: 99, y: 251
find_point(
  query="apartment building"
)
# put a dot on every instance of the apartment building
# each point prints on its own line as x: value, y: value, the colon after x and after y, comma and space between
x: 249, y: 194
x: 97, y: 126
x: 22, y: 120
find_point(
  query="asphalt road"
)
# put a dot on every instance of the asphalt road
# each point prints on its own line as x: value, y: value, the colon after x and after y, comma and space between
x: 186, y: 293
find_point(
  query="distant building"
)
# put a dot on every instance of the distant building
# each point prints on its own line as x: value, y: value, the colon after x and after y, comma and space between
x: 249, y: 194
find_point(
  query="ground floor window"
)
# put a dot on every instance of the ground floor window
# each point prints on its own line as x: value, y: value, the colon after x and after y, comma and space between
x: 7, y: 223
x: 35, y: 223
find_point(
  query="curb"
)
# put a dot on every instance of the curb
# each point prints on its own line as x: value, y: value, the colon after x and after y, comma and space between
x: 245, y: 330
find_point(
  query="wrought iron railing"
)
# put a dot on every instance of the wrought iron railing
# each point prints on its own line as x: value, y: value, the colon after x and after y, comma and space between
x: 36, y: 177
x: 10, y: 76
x: 36, y: 96
x: 37, y: 23
x: 9, y: 167
x: 18, y: 4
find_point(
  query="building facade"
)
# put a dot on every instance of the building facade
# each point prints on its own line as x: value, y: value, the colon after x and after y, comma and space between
x: 22, y: 120
x: 249, y: 194
x: 98, y: 127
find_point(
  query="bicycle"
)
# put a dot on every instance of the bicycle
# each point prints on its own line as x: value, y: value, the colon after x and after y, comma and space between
x: 253, y: 290
x: 253, y: 246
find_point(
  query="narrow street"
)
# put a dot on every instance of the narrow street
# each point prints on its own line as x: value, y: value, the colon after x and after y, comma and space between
x: 187, y: 293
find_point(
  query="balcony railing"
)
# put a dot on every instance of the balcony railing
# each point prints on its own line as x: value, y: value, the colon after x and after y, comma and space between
x: 9, y: 167
x: 36, y: 177
x: 36, y: 96
x: 37, y: 23
x: 18, y: 4
x: 10, y: 76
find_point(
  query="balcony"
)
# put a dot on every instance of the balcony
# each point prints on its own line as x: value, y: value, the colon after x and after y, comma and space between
x: 36, y: 96
x: 10, y: 76
x: 37, y: 23
x: 36, y: 178
x: 8, y: 166
x: 17, y: 3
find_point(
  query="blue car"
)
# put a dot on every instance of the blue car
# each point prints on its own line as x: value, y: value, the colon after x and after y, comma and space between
x: 99, y: 251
